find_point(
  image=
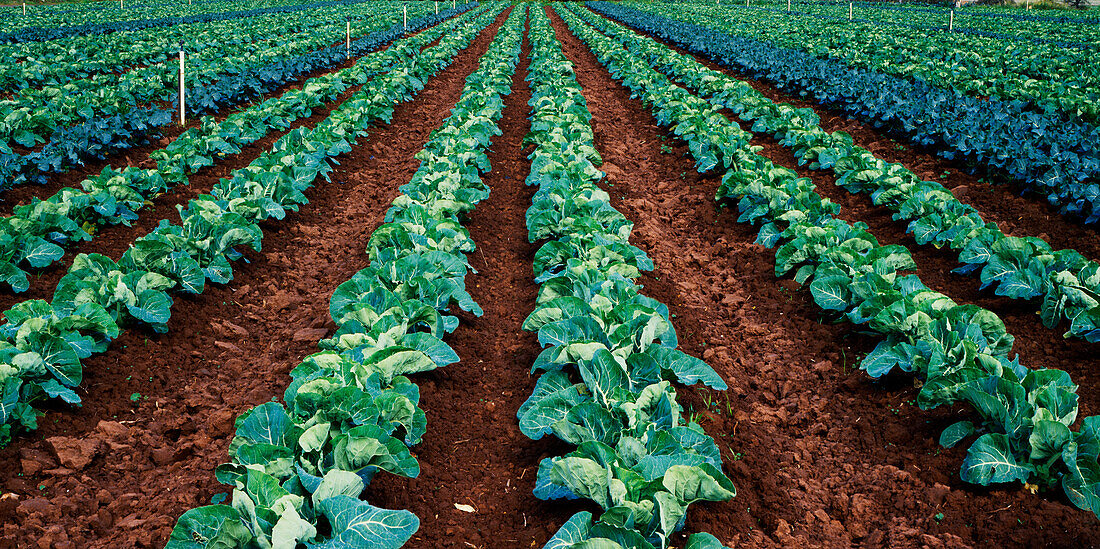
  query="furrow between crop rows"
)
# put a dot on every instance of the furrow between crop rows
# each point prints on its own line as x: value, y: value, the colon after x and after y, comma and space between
x: 231, y: 350
x: 36, y: 232
x: 478, y: 456
x: 140, y: 155
x: 830, y: 422
x: 1018, y: 269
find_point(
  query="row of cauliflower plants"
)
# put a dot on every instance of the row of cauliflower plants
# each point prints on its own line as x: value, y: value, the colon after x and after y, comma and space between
x: 43, y: 343
x: 960, y: 352
x: 610, y: 356
x: 1064, y: 282
x: 35, y: 235
x: 298, y: 472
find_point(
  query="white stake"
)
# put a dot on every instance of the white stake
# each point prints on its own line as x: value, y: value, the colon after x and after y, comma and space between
x: 349, y: 39
x: 951, y: 21
x: 849, y: 11
x: 119, y: 4
x: 788, y: 5
x: 24, y: 8
x: 405, y: 12
x: 437, y: 8
x: 182, y: 107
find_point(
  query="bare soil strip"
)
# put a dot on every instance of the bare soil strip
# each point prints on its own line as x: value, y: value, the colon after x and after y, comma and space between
x: 474, y: 453
x: 158, y: 410
x: 821, y: 455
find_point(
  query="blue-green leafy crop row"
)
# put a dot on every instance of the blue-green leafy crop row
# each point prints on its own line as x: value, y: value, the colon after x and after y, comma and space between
x: 1049, y: 78
x: 1046, y: 153
x: 1021, y: 268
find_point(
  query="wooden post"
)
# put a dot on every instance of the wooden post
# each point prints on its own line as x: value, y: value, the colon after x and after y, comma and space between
x: 183, y: 108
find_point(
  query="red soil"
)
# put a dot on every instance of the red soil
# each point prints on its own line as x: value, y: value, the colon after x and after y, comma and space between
x: 139, y: 156
x: 474, y: 452
x: 229, y: 349
x: 114, y: 240
x: 821, y: 455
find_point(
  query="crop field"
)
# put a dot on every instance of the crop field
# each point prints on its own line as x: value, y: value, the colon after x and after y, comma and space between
x: 343, y: 274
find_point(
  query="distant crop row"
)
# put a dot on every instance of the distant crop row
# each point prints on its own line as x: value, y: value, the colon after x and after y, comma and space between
x: 1050, y: 78
x: 103, y: 114
x: 42, y: 23
x: 95, y: 60
x: 1062, y: 31
x: 1046, y: 153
